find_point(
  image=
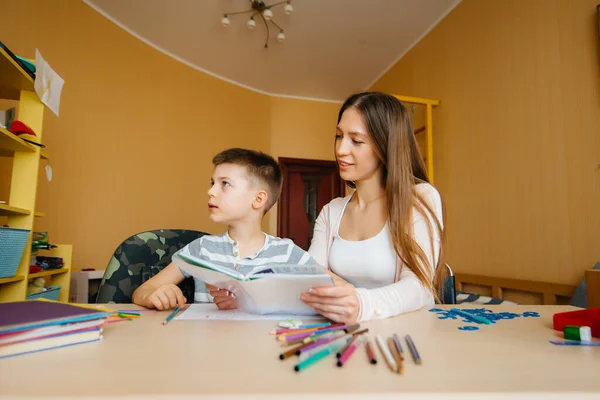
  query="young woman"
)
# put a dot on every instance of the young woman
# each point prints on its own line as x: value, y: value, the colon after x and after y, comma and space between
x: 383, y: 242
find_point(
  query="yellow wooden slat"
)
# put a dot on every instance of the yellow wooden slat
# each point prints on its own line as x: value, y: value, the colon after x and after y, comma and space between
x: 39, y: 214
x: 6, y: 210
x: 49, y: 272
x: 9, y: 143
x: 429, y: 129
x: 417, y: 100
x: 13, y: 78
x: 10, y: 279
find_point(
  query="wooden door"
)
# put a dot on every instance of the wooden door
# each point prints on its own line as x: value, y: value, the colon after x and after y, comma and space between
x: 307, y: 186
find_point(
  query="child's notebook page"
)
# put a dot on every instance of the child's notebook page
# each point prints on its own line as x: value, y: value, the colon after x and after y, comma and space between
x: 211, y: 312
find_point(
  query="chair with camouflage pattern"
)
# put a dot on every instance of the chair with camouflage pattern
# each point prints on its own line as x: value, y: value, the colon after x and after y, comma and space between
x: 139, y: 258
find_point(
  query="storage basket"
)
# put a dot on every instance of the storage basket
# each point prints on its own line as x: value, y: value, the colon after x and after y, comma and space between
x: 50, y: 293
x: 12, y: 244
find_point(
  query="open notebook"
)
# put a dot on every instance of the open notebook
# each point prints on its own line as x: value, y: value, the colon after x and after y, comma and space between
x: 269, y: 289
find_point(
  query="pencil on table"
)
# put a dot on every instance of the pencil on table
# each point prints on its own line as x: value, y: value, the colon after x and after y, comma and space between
x: 413, y: 350
x: 398, y: 346
x: 396, y: 355
x: 386, y: 354
x: 170, y: 317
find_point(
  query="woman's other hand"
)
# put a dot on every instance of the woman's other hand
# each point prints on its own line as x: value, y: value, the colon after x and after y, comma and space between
x: 338, y: 303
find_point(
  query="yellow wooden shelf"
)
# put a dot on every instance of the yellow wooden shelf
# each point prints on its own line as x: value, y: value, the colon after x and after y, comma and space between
x: 16, y: 84
x: 49, y: 272
x: 6, y: 210
x: 16, y: 278
x: 39, y: 214
x: 9, y: 143
x: 14, y: 78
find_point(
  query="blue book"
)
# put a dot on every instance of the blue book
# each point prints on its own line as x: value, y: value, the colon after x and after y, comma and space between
x: 53, y: 342
x: 24, y: 315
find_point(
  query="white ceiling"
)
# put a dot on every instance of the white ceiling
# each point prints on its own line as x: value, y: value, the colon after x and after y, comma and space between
x: 332, y: 47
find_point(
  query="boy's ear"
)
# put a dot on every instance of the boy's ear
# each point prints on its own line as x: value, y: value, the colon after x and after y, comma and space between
x: 260, y: 199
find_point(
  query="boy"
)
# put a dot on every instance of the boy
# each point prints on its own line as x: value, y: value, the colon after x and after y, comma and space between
x: 244, y: 186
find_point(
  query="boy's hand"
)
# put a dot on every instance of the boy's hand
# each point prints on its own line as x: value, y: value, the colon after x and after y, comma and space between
x: 223, y: 298
x: 166, y: 297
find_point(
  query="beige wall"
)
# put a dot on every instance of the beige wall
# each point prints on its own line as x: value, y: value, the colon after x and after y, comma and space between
x: 517, y: 136
x: 132, y: 148
x: 301, y: 129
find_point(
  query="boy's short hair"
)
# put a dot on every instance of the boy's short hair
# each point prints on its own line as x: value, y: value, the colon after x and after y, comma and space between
x: 260, y: 167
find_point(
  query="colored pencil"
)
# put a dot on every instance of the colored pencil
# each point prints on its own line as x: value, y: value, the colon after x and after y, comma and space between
x: 413, y: 350
x: 295, y: 334
x: 396, y: 355
x: 386, y: 354
x: 324, y: 331
x: 398, y: 346
x: 573, y: 343
x: 170, y: 317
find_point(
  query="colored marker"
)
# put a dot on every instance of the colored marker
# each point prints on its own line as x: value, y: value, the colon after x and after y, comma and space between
x: 320, y: 342
x: 314, y: 359
x: 349, y: 350
x: 352, y: 328
x: 371, y: 352
x: 334, y: 344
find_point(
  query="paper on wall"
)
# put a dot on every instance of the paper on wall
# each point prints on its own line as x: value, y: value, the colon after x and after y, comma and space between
x: 48, y: 84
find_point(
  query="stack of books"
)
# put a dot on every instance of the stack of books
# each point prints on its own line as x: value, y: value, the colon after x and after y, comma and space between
x: 32, y: 326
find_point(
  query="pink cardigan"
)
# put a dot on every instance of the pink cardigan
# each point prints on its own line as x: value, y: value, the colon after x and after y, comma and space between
x: 407, y: 293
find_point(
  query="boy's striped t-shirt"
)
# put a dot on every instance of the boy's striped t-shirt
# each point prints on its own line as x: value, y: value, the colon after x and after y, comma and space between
x: 222, y: 250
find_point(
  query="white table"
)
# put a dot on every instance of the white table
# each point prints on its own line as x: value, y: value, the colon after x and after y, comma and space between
x: 203, y: 359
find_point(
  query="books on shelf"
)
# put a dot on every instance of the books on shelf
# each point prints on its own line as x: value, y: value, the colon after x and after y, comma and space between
x: 31, y: 326
x: 268, y: 289
x: 26, y: 66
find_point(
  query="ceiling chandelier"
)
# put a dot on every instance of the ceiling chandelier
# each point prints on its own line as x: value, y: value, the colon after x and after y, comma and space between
x: 263, y: 11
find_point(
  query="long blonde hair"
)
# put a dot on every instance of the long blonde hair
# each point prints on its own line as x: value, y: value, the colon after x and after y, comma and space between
x: 388, y: 124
